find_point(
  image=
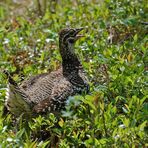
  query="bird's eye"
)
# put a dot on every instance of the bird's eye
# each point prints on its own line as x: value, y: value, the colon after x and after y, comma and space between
x: 71, y: 32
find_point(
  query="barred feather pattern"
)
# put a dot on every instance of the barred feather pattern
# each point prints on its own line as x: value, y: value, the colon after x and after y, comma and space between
x: 42, y: 87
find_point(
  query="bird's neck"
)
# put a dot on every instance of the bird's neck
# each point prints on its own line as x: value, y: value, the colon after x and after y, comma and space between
x: 70, y: 62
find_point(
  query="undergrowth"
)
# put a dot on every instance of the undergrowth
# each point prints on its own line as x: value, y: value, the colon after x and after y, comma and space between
x: 114, y: 55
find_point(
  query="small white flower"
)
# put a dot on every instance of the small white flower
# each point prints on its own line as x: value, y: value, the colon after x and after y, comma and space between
x: 116, y: 137
x: 38, y: 40
x: 9, y: 139
x: 90, y: 60
x: 21, y: 38
x: 6, y: 41
x: 122, y: 126
x: 47, y: 40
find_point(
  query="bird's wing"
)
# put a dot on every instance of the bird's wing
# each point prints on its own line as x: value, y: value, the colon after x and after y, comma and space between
x: 56, y: 101
x: 28, y: 83
x: 38, y: 89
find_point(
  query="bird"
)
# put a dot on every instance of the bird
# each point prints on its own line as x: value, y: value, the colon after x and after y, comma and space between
x: 48, y: 92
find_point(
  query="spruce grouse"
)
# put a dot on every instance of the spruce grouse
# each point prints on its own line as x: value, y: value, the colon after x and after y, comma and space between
x: 48, y: 92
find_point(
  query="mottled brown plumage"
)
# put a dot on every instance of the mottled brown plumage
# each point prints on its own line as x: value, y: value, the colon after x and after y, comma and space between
x: 49, y: 91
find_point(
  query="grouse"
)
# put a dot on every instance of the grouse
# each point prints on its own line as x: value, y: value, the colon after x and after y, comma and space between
x: 48, y: 92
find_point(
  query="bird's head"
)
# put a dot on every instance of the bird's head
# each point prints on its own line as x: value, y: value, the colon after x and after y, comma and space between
x: 68, y: 37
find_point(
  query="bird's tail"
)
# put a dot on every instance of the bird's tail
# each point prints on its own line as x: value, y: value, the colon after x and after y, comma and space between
x: 16, y: 99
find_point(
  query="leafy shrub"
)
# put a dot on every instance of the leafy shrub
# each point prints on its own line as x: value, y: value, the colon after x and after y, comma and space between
x: 114, y: 55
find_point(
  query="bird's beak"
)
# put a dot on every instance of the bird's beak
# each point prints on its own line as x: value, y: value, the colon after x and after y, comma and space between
x: 77, y: 33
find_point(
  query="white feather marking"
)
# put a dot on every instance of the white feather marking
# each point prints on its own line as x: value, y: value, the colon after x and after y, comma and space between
x: 49, y: 108
x: 54, y: 107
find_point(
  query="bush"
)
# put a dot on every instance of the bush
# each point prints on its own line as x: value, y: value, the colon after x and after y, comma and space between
x: 114, y: 55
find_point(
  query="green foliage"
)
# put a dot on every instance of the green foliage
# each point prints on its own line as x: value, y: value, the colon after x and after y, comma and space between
x: 114, y: 54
